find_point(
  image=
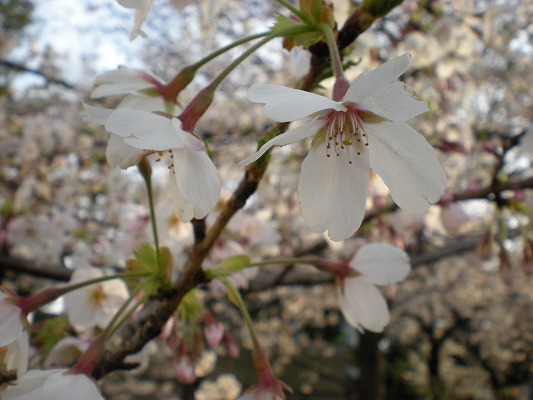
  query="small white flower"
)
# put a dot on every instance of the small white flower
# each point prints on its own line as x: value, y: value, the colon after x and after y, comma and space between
x: 13, y: 335
x: 194, y: 182
x: 361, y: 302
x: 96, y: 304
x: 142, y: 8
x: 119, y: 82
x: 364, y: 130
x: 53, y: 384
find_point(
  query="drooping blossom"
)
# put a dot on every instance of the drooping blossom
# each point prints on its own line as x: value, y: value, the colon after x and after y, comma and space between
x: 268, y: 387
x: 94, y: 305
x: 137, y: 129
x: 360, y: 301
x: 142, y: 8
x: 363, y: 127
x: 194, y: 182
x: 13, y: 334
x: 53, y: 384
x: 141, y: 89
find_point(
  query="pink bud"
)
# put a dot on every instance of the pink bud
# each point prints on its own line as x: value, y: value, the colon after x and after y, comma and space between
x: 213, y: 330
x: 505, y: 268
x: 184, y: 369
x: 231, y: 346
x: 485, y: 247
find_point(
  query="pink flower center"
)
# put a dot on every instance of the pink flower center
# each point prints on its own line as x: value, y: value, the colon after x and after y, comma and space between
x: 345, y: 128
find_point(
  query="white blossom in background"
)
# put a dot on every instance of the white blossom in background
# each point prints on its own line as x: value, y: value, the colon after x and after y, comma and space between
x: 360, y: 301
x: 142, y: 9
x: 66, y: 352
x: 366, y: 129
x: 53, y: 384
x: 96, y: 304
x: 194, y: 182
x: 13, y: 335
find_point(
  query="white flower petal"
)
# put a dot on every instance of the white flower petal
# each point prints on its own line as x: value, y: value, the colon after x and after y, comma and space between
x: 143, y: 103
x: 140, y: 16
x: 143, y: 130
x: 61, y: 386
x: 395, y: 102
x: 407, y: 164
x: 96, y: 115
x: 132, y: 3
x: 292, y: 135
x: 188, y: 139
x: 30, y: 385
x: 381, y: 264
x: 363, y: 305
x: 120, y: 154
x: 120, y: 81
x: 197, y: 179
x: 182, y: 206
x: 284, y: 104
x: 10, y: 322
x: 368, y: 82
x: 332, y: 192
x: 17, y: 354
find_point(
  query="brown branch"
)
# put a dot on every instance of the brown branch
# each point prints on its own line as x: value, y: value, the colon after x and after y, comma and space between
x: 22, y: 68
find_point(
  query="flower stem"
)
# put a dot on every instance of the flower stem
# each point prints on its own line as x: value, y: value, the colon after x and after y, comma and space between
x: 239, y: 302
x: 146, y: 171
x: 224, y: 49
x: 37, y: 300
x: 336, y: 62
x: 113, y: 325
x: 295, y: 11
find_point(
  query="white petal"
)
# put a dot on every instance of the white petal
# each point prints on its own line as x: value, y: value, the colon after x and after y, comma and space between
x: 30, y: 385
x: 144, y: 130
x: 120, y: 81
x: 407, y: 164
x: 363, y: 305
x: 332, y: 192
x: 143, y: 103
x: 284, y: 104
x: 140, y: 16
x: 96, y: 115
x: 292, y: 135
x: 132, y: 3
x: 17, y: 354
x: 120, y: 154
x: 188, y: 139
x: 10, y: 323
x: 197, y: 179
x: 61, y: 386
x: 368, y: 82
x: 395, y: 102
x: 182, y: 206
x: 381, y: 264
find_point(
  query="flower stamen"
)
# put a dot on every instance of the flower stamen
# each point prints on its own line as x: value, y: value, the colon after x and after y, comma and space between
x: 342, y: 128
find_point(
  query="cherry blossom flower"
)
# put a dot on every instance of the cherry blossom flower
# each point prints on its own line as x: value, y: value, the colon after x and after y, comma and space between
x: 194, y: 182
x: 142, y: 8
x: 53, y: 384
x: 365, y: 129
x: 361, y: 303
x: 96, y: 304
x: 137, y: 129
x: 134, y: 84
x: 13, y: 334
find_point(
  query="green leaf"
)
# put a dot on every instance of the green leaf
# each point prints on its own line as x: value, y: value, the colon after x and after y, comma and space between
x: 229, y: 266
